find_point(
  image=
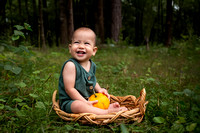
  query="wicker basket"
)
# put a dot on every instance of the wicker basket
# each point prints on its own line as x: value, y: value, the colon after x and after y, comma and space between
x: 136, y: 111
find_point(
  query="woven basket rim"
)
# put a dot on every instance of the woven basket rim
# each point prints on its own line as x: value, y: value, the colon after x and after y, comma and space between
x: 136, y: 113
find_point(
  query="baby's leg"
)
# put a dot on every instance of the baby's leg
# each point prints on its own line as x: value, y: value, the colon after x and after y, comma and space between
x: 82, y: 107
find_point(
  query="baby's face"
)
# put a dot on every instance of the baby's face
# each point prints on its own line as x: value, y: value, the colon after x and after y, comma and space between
x: 84, y: 35
x: 83, y: 45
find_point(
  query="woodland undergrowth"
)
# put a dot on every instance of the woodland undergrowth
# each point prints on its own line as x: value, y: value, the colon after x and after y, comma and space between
x: 170, y: 76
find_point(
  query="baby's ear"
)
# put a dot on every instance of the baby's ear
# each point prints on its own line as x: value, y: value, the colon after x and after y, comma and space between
x: 70, y: 47
x: 94, y: 51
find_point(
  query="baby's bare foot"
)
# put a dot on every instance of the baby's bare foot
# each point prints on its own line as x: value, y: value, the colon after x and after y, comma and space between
x: 123, y: 109
x: 115, y: 107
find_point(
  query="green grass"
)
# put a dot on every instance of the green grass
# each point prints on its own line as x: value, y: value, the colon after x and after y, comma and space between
x: 170, y: 75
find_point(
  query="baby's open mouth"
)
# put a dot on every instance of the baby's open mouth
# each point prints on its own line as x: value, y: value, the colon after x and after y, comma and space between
x: 81, y: 52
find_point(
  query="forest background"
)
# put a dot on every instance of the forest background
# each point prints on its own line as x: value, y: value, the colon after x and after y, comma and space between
x: 137, y: 22
x: 152, y: 44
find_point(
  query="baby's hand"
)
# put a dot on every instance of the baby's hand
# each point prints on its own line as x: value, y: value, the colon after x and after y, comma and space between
x: 92, y: 102
x: 104, y: 91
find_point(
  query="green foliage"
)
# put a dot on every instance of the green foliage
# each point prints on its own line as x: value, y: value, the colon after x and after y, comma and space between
x: 19, y: 32
x: 172, y: 87
x: 159, y: 120
x: 123, y: 128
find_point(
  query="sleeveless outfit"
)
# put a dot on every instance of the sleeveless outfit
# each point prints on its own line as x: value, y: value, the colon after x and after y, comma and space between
x: 85, y: 83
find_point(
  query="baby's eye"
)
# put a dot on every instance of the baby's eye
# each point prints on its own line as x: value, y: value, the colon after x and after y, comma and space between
x: 76, y: 42
x: 87, y: 43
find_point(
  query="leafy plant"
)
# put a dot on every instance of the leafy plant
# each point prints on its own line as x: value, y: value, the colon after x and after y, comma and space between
x: 19, y: 33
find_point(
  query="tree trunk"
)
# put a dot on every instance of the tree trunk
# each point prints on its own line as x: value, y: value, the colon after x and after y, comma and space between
x: 11, y: 14
x: 2, y: 7
x: 159, y: 36
x: 3, y: 14
x: 70, y: 18
x: 169, y: 24
x: 147, y: 43
x: 20, y: 7
x: 27, y: 11
x: 41, y: 26
x: 99, y: 17
x: 34, y: 22
x: 63, y: 23
x: 149, y: 17
x: 162, y: 21
x: 46, y: 24
x: 116, y: 19
x: 56, y: 20
x: 138, y: 22
x: 196, y: 20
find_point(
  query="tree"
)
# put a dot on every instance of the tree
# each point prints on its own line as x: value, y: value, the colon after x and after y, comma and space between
x: 169, y: 23
x: 41, y: 26
x: 2, y: 7
x: 63, y: 23
x: 34, y: 24
x: 27, y: 11
x: 148, y: 19
x: 99, y: 16
x: 160, y: 29
x: 46, y: 22
x: 139, y: 4
x: 56, y: 22
x: 20, y: 7
x: 70, y: 18
x: 2, y: 14
x: 116, y: 19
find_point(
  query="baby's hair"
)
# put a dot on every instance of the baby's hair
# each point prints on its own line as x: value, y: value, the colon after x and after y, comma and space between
x: 85, y: 29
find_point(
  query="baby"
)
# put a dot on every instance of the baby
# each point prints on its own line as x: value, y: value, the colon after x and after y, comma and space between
x: 77, y: 79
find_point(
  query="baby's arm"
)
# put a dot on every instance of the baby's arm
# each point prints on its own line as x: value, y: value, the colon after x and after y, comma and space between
x: 101, y: 90
x: 69, y: 77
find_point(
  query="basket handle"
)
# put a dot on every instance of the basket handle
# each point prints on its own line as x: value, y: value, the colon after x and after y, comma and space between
x: 54, y: 98
x: 143, y: 95
x: 142, y: 101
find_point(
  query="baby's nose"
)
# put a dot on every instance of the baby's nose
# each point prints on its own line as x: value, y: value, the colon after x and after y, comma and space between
x: 81, y: 45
